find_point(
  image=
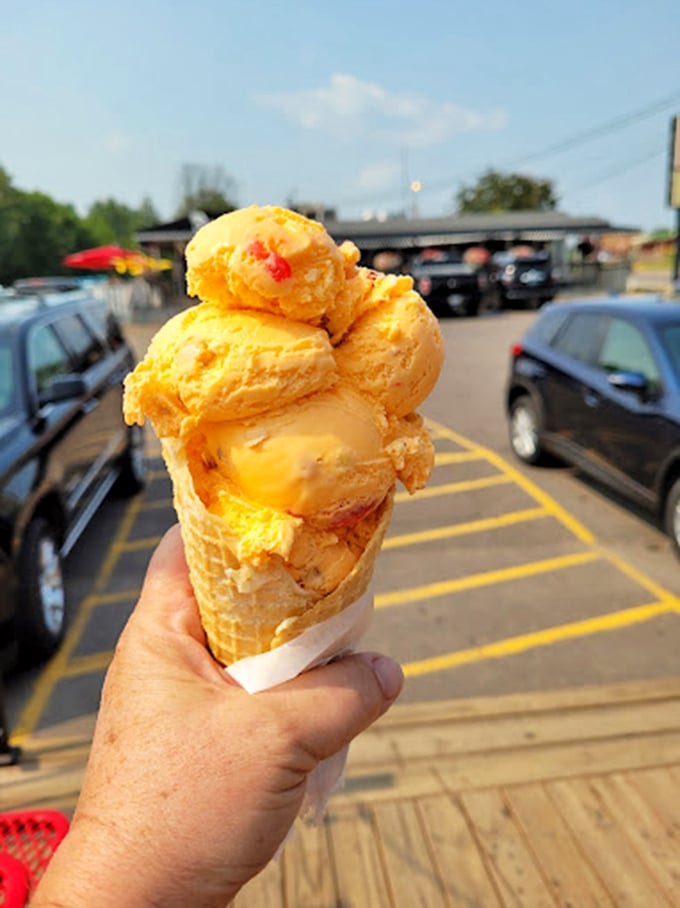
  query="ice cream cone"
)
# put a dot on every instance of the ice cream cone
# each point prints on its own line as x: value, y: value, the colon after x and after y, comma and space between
x: 246, y: 608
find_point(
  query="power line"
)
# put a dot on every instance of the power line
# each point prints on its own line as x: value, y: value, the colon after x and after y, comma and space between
x: 617, y: 171
x: 580, y: 138
x: 597, y: 131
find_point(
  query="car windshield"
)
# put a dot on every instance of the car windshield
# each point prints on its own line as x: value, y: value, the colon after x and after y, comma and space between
x: 670, y: 339
x: 7, y: 380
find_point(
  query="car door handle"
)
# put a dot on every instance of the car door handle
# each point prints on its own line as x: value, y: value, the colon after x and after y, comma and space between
x: 591, y: 400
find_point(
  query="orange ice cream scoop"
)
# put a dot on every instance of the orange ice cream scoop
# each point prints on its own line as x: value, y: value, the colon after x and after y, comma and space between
x: 321, y: 459
x: 394, y: 351
x: 226, y: 364
x: 275, y: 260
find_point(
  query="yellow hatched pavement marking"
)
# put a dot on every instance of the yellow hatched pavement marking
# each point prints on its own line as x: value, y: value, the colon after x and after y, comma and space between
x: 57, y: 667
x: 463, y: 529
x: 487, y: 578
x: 511, y: 646
x: 454, y: 488
x: 570, y: 522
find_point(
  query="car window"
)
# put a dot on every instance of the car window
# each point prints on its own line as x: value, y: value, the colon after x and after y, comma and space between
x: 625, y: 349
x: 85, y: 347
x: 108, y: 326
x: 581, y: 336
x: 7, y: 382
x: 549, y: 323
x: 47, y: 357
x: 670, y: 338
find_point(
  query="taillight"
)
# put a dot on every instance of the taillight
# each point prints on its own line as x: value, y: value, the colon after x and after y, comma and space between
x: 424, y: 285
x: 516, y: 350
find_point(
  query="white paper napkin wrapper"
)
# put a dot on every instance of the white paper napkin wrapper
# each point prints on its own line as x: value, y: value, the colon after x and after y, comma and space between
x: 317, y: 645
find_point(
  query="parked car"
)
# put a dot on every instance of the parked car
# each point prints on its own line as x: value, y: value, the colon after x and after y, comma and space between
x: 528, y: 279
x: 597, y: 383
x: 63, y: 446
x: 448, y: 284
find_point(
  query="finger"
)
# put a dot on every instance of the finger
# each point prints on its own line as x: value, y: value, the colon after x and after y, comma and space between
x: 327, y: 707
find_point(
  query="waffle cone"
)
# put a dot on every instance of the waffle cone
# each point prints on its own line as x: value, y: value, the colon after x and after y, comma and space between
x: 245, y: 609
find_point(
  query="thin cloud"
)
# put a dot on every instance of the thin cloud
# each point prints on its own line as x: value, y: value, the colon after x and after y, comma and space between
x: 349, y: 108
x: 379, y: 175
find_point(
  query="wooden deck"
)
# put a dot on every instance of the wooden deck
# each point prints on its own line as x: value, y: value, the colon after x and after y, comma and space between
x: 563, y: 799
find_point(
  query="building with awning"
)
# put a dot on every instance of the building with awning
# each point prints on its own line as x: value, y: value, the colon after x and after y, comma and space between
x: 404, y: 237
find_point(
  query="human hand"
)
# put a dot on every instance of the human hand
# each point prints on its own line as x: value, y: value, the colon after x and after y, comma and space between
x: 192, y: 784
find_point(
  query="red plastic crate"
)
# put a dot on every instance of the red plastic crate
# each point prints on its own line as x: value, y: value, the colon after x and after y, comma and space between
x: 31, y: 838
x: 13, y: 882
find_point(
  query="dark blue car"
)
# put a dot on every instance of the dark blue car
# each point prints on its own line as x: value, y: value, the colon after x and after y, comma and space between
x: 597, y: 384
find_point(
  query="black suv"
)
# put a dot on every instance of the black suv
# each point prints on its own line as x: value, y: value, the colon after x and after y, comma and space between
x: 528, y: 280
x: 448, y: 284
x: 597, y: 384
x: 63, y: 446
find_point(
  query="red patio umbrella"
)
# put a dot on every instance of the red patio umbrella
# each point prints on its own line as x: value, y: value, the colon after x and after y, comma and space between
x: 105, y: 258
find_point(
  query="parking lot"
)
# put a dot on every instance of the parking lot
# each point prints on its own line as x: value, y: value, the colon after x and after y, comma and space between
x: 487, y: 584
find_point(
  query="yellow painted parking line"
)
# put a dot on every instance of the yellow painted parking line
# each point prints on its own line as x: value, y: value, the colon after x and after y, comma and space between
x: 139, y: 545
x: 110, y: 598
x: 463, y: 529
x: 541, y: 497
x: 85, y: 665
x: 486, y: 578
x: 511, y: 646
x: 55, y: 669
x: 157, y: 505
x: 454, y: 488
x: 662, y: 594
x: 445, y: 458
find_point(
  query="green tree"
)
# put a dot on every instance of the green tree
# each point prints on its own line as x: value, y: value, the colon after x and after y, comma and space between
x: 496, y: 192
x: 35, y: 233
x: 110, y: 221
x: 205, y: 188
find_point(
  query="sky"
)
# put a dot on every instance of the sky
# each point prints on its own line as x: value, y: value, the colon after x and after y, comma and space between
x: 342, y: 104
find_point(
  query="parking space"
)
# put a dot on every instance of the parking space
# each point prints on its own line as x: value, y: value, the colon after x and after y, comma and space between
x: 485, y: 585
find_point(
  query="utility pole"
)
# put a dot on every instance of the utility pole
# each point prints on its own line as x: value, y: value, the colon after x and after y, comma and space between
x: 674, y: 191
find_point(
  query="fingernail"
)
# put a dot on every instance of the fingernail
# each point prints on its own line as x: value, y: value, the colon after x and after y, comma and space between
x: 389, y: 674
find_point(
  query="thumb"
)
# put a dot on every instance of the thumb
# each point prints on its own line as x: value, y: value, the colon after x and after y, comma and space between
x: 328, y: 706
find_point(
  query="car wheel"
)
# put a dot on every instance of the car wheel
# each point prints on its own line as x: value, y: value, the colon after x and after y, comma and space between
x: 525, y: 430
x: 132, y: 476
x: 471, y: 308
x: 672, y: 516
x: 41, y: 617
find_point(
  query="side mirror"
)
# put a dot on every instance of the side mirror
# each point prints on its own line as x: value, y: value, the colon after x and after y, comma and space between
x: 65, y: 387
x: 634, y: 382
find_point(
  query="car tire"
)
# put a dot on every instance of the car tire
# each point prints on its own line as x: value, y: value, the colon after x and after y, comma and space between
x: 525, y: 430
x: 41, y: 617
x: 672, y: 516
x: 132, y: 476
x: 471, y: 309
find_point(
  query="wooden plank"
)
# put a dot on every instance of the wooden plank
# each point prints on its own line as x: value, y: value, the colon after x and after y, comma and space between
x: 414, y: 878
x: 561, y: 760
x: 605, y: 842
x: 657, y: 842
x: 308, y: 878
x: 513, y: 869
x: 661, y: 789
x: 533, y: 701
x: 504, y: 732
x: 456, y: 855
x: 357, y: 861
x: 266, y: 889
x: 569, y: 875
